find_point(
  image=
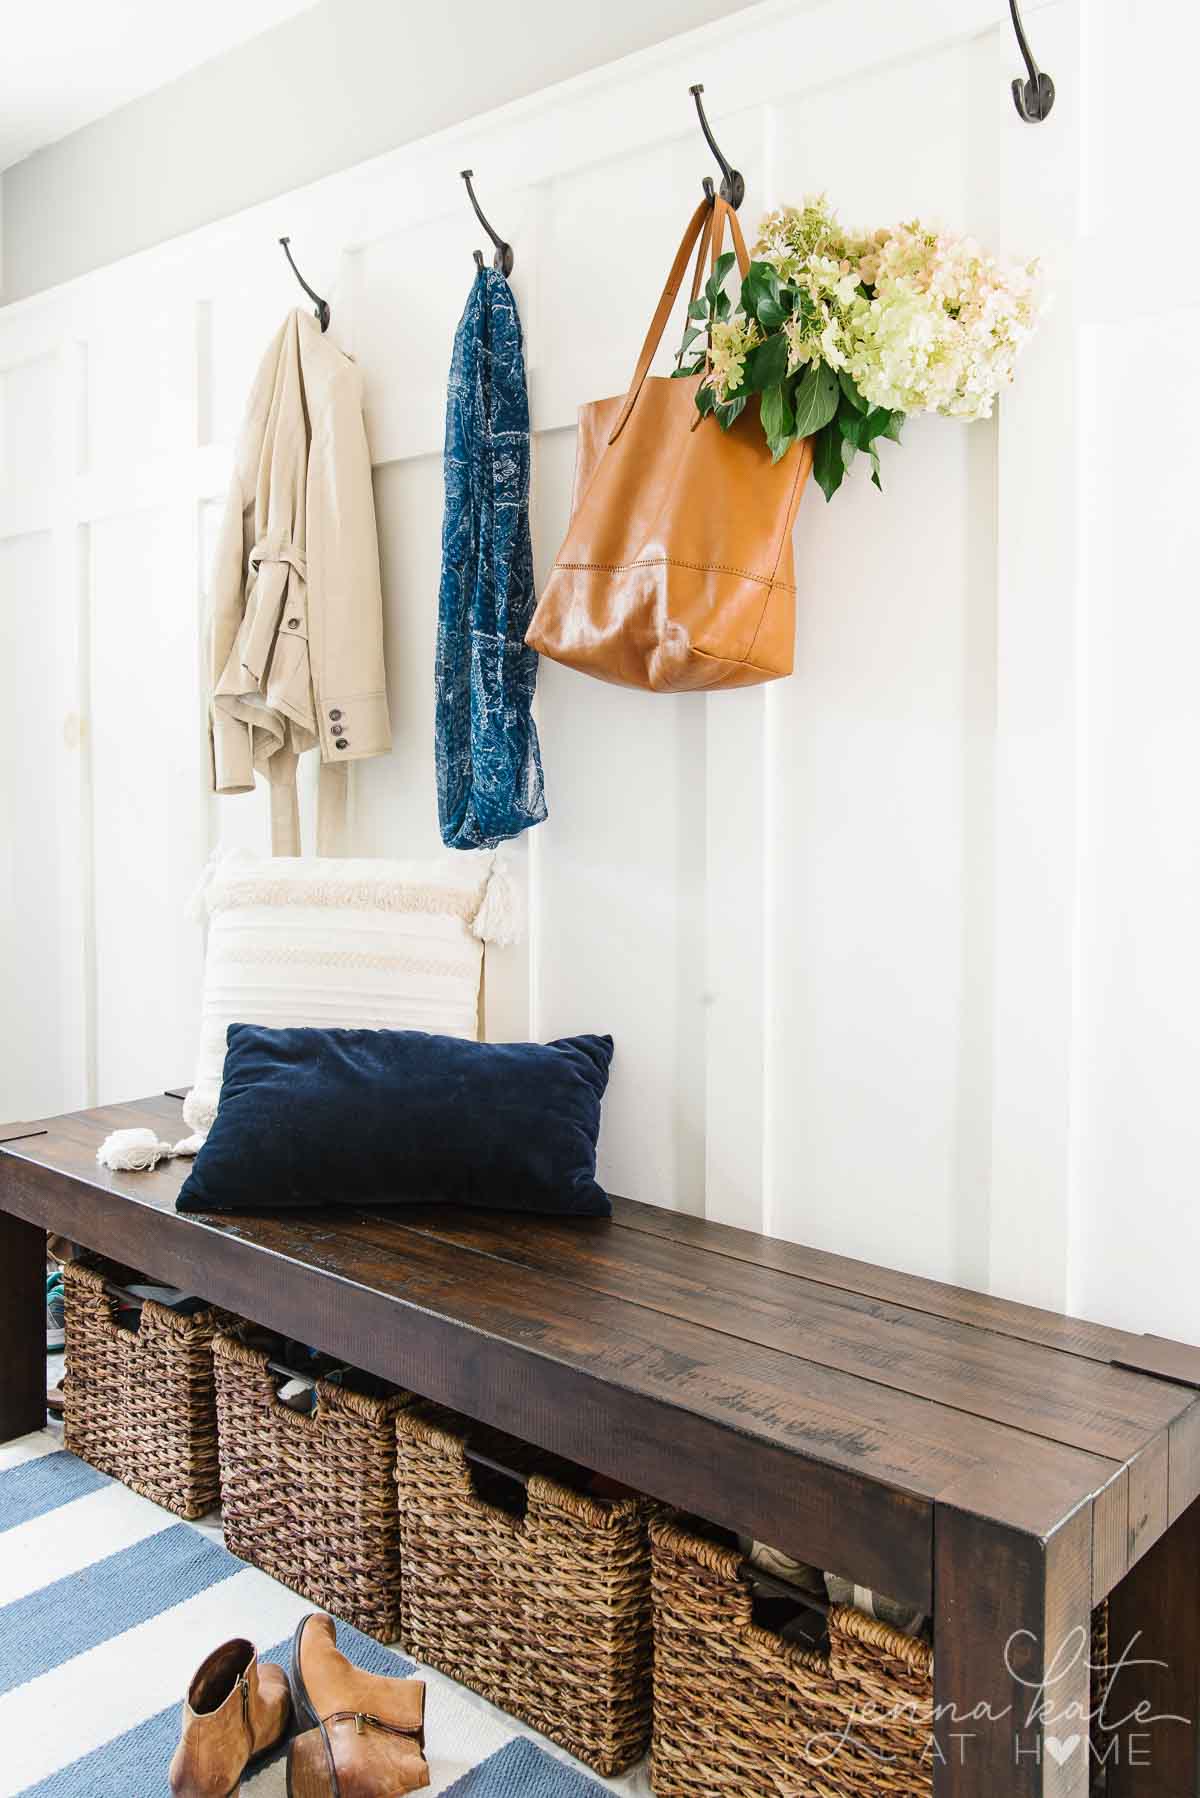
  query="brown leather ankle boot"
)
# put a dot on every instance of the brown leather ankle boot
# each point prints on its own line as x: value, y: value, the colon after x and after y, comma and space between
x: 365, y: 1732
x: 234, y: 1711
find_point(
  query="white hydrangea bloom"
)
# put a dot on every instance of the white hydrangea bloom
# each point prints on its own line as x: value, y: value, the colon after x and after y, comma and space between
x: 923, y: 321
x: 942, y: 331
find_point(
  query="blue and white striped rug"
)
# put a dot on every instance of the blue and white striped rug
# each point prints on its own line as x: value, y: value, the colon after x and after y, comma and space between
x: 107, y: 1606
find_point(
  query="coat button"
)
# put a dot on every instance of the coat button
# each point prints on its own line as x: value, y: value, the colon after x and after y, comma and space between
x: 342, y: 743
x: 293, y: 624
x: 335, y: 714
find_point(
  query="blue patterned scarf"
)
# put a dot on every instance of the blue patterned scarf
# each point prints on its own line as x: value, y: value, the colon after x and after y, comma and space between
x: 489, y: 769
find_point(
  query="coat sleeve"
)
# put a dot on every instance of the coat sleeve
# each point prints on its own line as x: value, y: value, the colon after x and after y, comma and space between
x: 231, y: 737
x: 231, y: 751
x: 345, y: 597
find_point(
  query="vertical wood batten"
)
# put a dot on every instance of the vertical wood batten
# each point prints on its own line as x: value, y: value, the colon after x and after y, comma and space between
x: 1038, y: 765
x: 738, y: 894
x: 73, y: 796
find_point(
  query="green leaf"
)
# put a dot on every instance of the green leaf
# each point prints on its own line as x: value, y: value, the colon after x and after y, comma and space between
x: 850, y: 423
x: 760, y: 296
x: 828, y: 467
x: 687, y: 369
x: 730, y: 410
x: 816, y: 399
x: 778, y: 423
x: 706, y: 399
x: 894, y: 426
x: 874, y: 455
x: 806, y: 307
x: 716, y: 280
x: 846, y: 383
x: 690, y: 336
x: 722, y: 305
x: 876, y: 424
x: 766, y: 365
x: 698, y: 309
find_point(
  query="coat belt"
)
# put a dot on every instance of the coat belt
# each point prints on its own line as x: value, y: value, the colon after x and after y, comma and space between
x: 266, y: 551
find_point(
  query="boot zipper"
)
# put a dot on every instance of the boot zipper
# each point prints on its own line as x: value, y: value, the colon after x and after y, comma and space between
x: 244, y: 1683
x: 363, y: 1719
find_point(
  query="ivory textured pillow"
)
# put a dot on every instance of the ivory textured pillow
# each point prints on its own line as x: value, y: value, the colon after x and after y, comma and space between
x: 362, y: 944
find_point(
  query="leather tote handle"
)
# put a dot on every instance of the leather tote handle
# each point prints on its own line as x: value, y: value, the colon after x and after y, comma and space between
x: 702, y: 255
x: 722, y: 211
x: 704, y: 221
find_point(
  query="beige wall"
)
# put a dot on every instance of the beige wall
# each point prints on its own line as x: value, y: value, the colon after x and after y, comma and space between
x: 333, y: 86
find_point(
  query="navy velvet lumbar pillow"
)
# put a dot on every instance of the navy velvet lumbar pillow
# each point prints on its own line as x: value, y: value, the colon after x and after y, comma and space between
x: 313, y: 1118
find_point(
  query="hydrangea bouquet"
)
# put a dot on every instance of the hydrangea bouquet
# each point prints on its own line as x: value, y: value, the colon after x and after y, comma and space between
x: 842, y: 336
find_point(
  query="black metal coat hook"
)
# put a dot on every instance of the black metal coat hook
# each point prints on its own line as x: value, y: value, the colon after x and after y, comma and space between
x: 733, y: 187
x: 503, y: 259
x: 1035, y: 97
x: 322, y: 306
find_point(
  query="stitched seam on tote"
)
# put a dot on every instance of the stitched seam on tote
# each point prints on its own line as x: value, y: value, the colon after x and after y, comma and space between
x: 706, y: 655
x: 764, y: 580
x: 783, y: 537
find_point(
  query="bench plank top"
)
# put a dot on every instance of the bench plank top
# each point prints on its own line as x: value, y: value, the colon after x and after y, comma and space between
x: 816, y: 1402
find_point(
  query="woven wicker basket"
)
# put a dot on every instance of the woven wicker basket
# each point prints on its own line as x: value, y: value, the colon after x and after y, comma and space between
x: 545, y: 1613
x: 311, y: 1499
x: 140, y: 1404
x: 738, y: 1710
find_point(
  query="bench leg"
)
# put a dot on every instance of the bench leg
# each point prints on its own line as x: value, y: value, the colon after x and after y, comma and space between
x: 22, y: 1327
x: 1154, y: 1619
x: 1011, y: 1676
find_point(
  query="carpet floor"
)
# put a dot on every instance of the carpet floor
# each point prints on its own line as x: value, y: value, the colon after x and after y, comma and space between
x: 107, y: 1606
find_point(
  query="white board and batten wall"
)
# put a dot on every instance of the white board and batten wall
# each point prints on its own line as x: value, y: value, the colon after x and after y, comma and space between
x: 897, y: 953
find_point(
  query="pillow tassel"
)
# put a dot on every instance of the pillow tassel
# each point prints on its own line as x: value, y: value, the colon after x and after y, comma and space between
x: 132, y: 1151
x: 139, y: 1151
x: 498, y: 918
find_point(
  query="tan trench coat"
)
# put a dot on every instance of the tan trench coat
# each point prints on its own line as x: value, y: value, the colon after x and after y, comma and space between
x: 296, y: 640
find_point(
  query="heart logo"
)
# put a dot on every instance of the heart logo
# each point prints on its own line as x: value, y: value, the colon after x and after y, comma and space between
x: 1061, y: 1752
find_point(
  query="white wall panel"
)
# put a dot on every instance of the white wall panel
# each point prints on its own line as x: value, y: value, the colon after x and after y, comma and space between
x: 1139, y: 1120
x: 27, y: 412
x: 234, y: 328
x: 31, y: 872
x: 619, y: 895
x: 869, y: 914
x: 409, y: 289
x: 141, y: 391
x: 395, y: 797
x: 877, y: 806
x: 832, y: 924
x: 149, y: 824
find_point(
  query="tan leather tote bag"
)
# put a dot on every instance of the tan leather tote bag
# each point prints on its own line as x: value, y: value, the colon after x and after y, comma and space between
x: 677, y: 570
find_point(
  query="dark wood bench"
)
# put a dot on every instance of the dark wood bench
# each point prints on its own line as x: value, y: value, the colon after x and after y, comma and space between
x: 1003, y: 1467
